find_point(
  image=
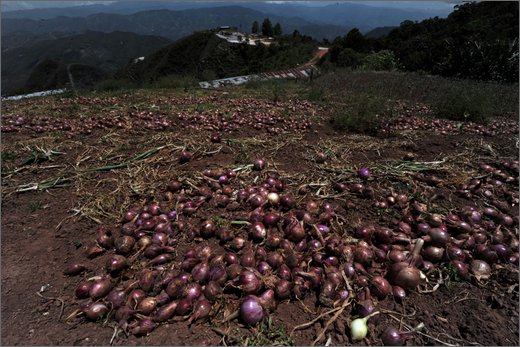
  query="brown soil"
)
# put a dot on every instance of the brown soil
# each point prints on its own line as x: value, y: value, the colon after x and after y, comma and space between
x: 45, y: 230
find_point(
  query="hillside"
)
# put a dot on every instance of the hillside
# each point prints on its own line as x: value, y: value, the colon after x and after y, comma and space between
x: 205, y: 56
x: 105, y: 52
x: 477, y: 41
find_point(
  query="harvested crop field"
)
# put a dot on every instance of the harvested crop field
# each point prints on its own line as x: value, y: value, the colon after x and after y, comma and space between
x: 316, y: 241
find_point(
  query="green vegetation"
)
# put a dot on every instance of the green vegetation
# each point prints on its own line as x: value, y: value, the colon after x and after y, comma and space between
x: 478, y: 41
x: 361, y: 114
x: 255, y: 28
x: 270, y: 335
x: 496, y: 98
x: 267, y: 28
x: 204, y: 56
x: 456, y: 102
x: 7, y: 156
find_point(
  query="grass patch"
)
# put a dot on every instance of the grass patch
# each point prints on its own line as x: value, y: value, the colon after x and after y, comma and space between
x: 457, y: 102
x: 270, y: 335
x: 35, y: 206
x: 499, y: 99
x: 175, y: 82
x: 7, y: 156
x: 362, y: 114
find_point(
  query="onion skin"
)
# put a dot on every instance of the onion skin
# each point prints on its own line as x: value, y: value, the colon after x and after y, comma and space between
x: 251, y: 311
x: 165, y: 312
x: 404, y: 275
x: 82, y: 289
x: 74, y: 269
x: 95, y: 310
x: 380, y: 287
x: 201, y: 310
x: 100, y: 289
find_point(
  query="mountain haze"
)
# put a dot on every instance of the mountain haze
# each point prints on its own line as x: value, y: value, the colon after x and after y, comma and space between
x: 107, y: 52
x: 170, y: 24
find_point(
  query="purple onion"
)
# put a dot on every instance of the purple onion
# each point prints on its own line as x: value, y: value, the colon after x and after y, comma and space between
x: 251, y: 311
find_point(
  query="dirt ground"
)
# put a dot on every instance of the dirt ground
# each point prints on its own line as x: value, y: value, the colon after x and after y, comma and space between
x: 44, y: 230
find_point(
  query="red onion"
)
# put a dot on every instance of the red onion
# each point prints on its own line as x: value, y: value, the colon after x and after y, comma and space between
x: 363, y: 255
x: 437, y: 237
x: 208, y: 229
x: 105, y: 238
x: 200, y: 272
x: 433, y: 254
x: 116, y: 264
x: 259, y: 164
x: 100, y: 288
x: 175, y: 288
x: 117, y: 298
x: 74, y: 269
x: 284, y: 272
x: 364, y: 173
x: 135, y: 297
x: 165, y: 312
x: 363, y: 232
x: 257, y: 231
x: 249, y: 282
x: 143, y: 327
x: 124, y: 244
x: 192, y: 291
x: 184, y: 306
x: 212, y: 291
x: 461, y: 268
x: 380, y: 287
x: 399, y: 293
x: 82, y: 289
x: 201, y: 310
x: 218, y: 274
x: 95, y: 310
x: 147, y: 305
x: 294, y: 231
x: 251, y: 311
x: 393, y: 337
x: 287, y: 202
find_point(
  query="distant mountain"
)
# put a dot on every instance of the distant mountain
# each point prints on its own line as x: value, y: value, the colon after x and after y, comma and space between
x: 170, y: 24
x: 106, y: 52
x: 363, y: 16
x: 378, y: 32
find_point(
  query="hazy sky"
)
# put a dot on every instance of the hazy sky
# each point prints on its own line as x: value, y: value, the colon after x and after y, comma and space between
x: 10, y: 5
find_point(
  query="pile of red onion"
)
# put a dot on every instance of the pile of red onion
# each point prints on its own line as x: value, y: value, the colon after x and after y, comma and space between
x: 231, y: 115
x: 252, y: 243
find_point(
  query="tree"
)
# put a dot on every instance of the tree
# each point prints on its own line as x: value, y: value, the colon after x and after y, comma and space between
x: 267, y: 28
x: 355, y: 40
x: 255, y: 28
x: 277, y: 30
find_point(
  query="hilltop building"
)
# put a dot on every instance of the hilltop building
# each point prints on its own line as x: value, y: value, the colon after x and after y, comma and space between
x: 232, y: 35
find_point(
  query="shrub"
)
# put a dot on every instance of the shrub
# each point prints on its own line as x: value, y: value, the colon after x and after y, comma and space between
x: 461, y: 103
x: 384, y: 60
x: 349, y: 58
x: 316, y: 94
x: 361, y: 114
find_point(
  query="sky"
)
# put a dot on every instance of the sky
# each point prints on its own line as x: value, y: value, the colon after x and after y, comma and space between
x: 10, y: 5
